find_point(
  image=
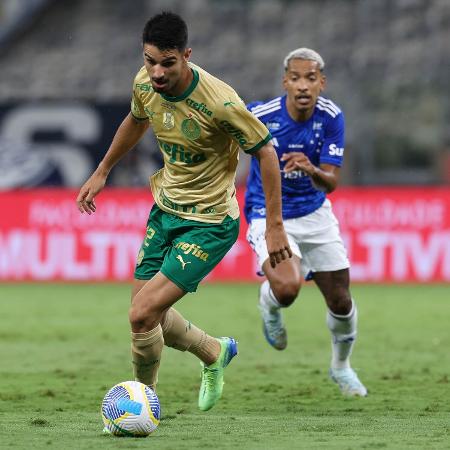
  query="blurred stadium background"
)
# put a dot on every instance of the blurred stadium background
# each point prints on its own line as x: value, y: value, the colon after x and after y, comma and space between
x: 65, y: 82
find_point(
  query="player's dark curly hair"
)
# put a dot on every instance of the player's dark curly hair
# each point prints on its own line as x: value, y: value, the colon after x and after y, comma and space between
x: 166, y: 30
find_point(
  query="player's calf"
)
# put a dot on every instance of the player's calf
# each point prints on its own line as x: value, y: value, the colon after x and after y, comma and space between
x: 273, y: 326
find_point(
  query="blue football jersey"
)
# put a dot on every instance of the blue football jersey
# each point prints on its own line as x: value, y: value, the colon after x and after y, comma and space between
x: 320, y: 138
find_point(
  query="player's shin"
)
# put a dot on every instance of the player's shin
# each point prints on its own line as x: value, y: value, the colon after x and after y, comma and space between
x: 182, y: 335
x: 146, y: 349
x: 343, y: 333
x: 268, y: 299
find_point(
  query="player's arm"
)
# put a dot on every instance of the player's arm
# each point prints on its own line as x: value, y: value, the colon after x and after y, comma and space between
x: 127, y: 136
x: 254, y: 138
x: 325, y: 177
x: 276, y: 239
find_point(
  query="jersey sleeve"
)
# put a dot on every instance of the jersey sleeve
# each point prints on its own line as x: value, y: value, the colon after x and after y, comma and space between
x: 333, y: 145
x: 137, y: 108
x: 241, y: 125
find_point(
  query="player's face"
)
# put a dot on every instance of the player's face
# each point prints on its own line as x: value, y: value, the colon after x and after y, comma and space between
x: 167, y: 69
x: 303, y: 82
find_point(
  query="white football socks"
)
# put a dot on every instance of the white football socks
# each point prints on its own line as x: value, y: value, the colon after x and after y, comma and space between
x: 268, y: 299
x: 342, y: 328
x: 343, y: 335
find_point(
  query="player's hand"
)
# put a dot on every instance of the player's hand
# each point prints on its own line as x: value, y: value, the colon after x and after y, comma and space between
x: 277, y: 245
x: 297, y: 161
x: 86, y: 196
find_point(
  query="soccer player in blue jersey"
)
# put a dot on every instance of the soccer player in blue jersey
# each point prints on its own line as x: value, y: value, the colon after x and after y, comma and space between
x: 308, y: 135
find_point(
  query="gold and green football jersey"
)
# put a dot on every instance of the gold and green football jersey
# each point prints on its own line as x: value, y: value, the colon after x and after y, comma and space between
x: 199, y: 134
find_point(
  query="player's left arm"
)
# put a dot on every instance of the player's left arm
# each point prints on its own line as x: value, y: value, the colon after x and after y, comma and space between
x: 325, y: 177
x: 253, y: 137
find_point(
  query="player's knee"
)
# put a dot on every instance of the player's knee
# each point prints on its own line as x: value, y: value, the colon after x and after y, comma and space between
x: 340, y: 304
x: 136, y: 317
x: 142, y: 317
x: 287, y: 291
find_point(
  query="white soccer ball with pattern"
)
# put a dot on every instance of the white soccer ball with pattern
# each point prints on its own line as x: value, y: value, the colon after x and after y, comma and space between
x: 131, y: 409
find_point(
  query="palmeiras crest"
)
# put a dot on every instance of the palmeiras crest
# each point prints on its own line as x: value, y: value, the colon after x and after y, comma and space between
x: 191, y: 129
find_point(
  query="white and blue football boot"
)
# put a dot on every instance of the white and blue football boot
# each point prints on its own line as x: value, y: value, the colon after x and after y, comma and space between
x: 273, y: 327
x: 348, y: 382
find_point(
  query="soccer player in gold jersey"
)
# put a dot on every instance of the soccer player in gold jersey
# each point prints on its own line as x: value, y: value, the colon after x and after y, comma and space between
x: 200, y: 123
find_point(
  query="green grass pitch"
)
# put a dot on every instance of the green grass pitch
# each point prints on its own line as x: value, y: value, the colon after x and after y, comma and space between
x: 63, y: 346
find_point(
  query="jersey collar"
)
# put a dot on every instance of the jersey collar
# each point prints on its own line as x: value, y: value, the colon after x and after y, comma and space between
x: 187, y: 92
x: 289, y: 118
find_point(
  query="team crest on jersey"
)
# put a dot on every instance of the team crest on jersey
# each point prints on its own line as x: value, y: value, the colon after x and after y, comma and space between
x: 317, y: 125
x: 191, y: 129
x: 168, y: 120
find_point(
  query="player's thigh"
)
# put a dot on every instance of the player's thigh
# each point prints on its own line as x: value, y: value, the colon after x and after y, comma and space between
x: 196, y: 249
x: 285, y: 276
x: 157, y: 294
x: 149, y: 305
x: 256, y: 238
x: 137, y: 286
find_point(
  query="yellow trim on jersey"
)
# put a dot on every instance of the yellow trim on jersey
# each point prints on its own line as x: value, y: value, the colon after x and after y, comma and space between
x: 253, y: 150
x: 139, y: 119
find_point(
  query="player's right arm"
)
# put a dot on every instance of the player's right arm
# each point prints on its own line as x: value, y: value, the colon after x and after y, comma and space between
x: 127, y: 136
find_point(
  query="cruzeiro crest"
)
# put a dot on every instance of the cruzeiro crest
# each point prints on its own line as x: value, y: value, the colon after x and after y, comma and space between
x: 190, y: 128
x: 168, y: 120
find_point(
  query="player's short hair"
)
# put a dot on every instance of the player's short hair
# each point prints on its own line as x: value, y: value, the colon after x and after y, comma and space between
x: 166, y: 30
x: 304, y: 53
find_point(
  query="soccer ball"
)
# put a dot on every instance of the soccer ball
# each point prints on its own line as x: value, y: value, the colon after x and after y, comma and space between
x: 131, y: 409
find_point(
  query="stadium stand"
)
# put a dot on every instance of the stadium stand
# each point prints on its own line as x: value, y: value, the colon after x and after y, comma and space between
x: 388, y: 64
